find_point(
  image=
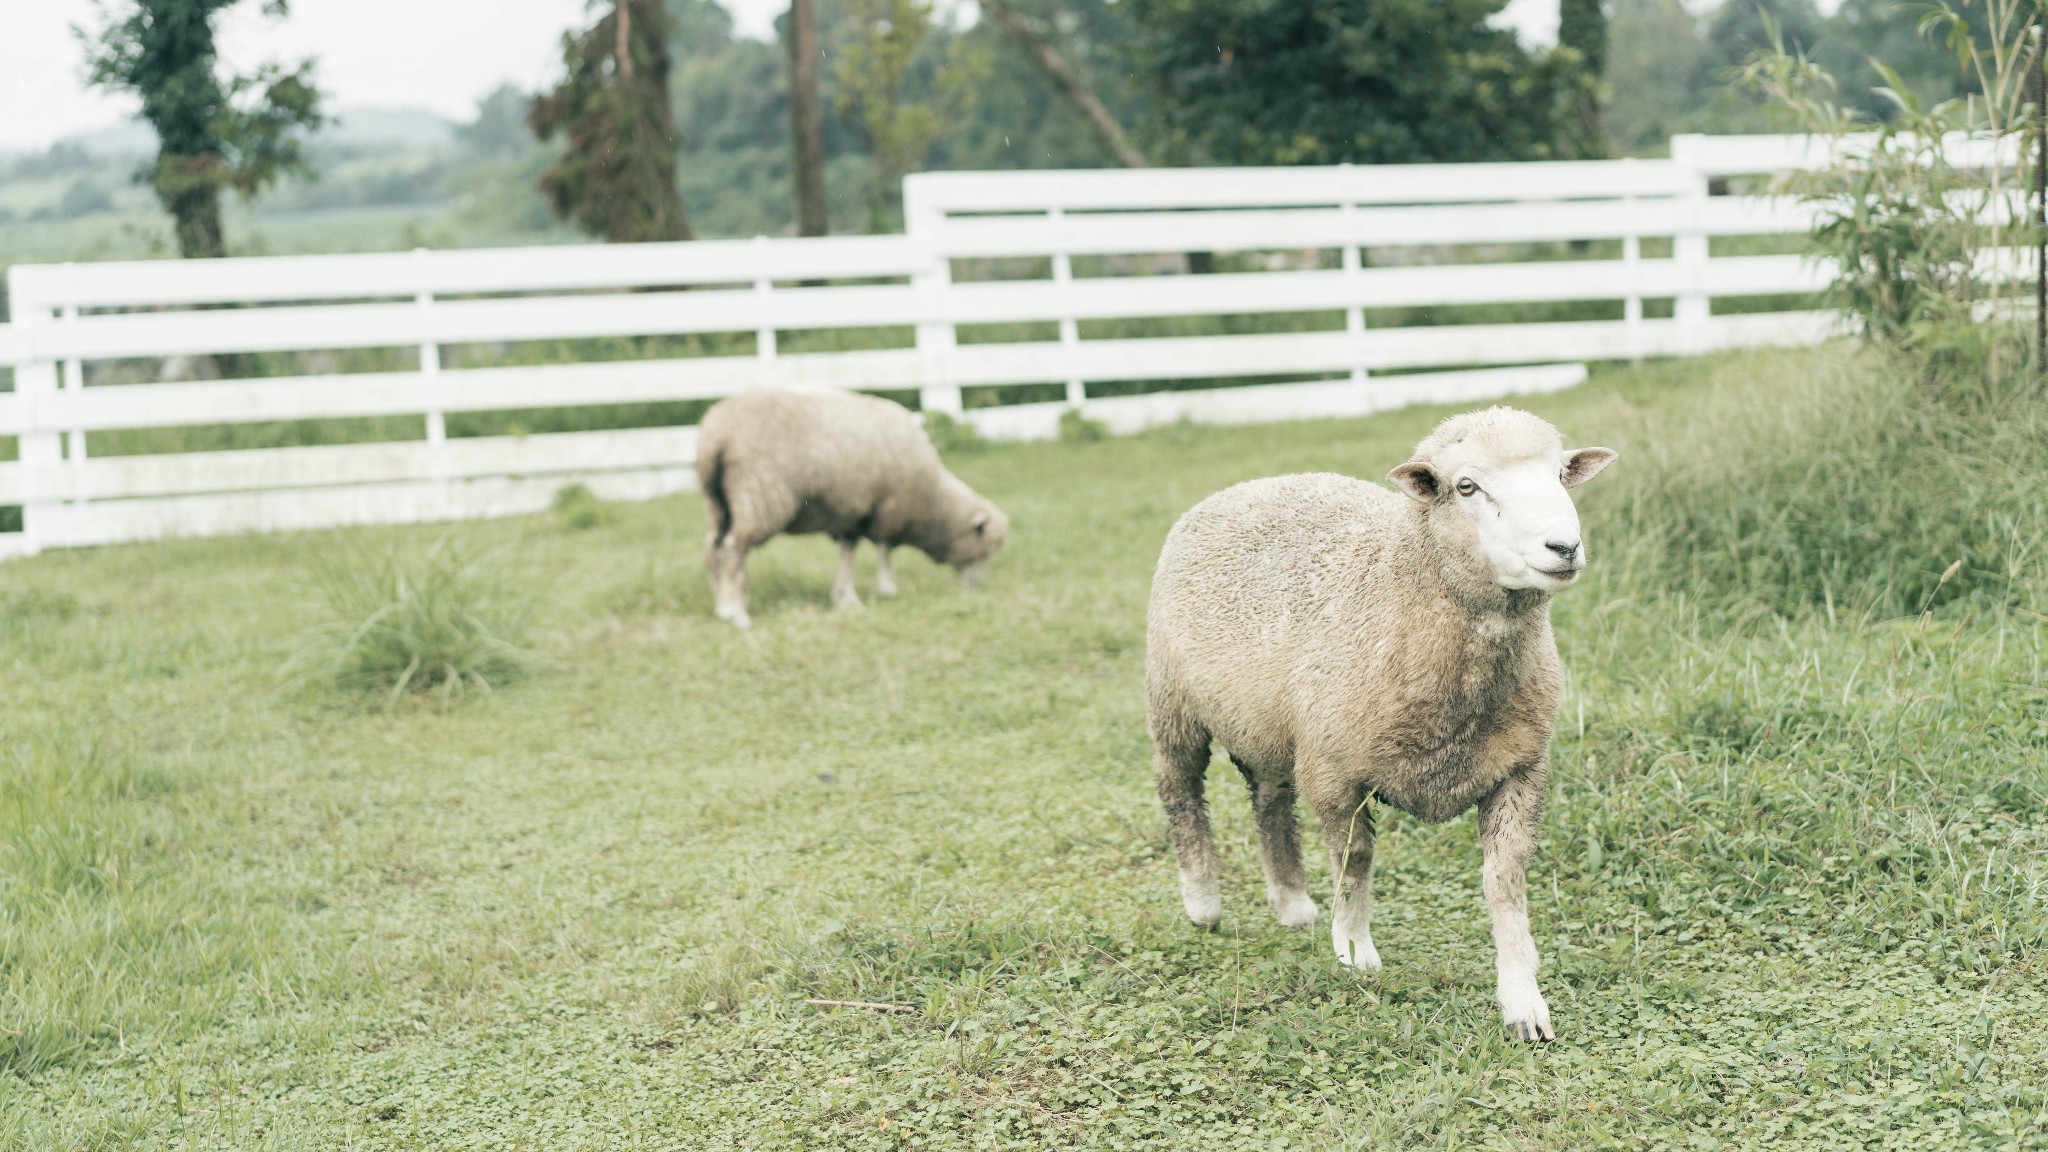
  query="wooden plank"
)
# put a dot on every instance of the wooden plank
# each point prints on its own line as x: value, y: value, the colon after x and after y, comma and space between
x: 491, y: 321
x: 1232, y: 231
x: 451, y: 390
x: 1755, y: 155
x: 1185, y: 358
x: 1271, y: 403
x: 1124, y: 189
x: 124, y: 521
x: 127, y: 477
x: 292, y: 327
x: 403, y: 274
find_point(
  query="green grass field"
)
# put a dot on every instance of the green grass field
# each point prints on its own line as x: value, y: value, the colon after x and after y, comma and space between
x: 1793, y: 889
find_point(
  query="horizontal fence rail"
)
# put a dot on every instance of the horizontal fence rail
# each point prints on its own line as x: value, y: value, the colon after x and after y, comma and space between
x: 1138, y: 297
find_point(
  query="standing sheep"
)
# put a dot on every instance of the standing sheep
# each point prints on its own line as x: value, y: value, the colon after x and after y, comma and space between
x: 851, y: 466
x: 1351, y: 644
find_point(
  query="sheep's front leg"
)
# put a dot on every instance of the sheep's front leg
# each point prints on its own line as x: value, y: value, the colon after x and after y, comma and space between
x: 1507, y: 839
x: 885, y: 576
x: 1347, y: 829
x: 843, y: 595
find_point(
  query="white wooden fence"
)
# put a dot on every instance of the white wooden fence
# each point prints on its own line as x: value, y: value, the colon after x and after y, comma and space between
x: 1391, y: 237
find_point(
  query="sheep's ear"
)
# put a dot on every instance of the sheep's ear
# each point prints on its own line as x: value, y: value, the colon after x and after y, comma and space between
x: 1416, y: 479
x: 1585, y: 464
x: 980, y: 523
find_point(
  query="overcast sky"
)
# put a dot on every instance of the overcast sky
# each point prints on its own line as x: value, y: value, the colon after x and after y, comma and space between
x: 436, y: 54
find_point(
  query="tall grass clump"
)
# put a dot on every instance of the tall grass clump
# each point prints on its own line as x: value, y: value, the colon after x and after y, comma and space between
x: 438, y: 623
x: 1848, y: 487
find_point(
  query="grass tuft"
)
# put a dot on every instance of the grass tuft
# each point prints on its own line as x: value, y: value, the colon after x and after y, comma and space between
x: 578, y: 509
x: 950, y: 434
x: 1847, y: 488
x: 1078, y: 429
x: 438, y: 623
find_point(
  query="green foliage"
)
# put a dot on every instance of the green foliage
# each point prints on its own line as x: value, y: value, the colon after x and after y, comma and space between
x: 902, y: 89
x: 1905, y: 224
x: 439, y: 622
x: 616, y: 174
x: 1078, y: 429
x: 578, y: 509
x: 950, y: 434
x: 1330, y: 81
x: 241, y: 133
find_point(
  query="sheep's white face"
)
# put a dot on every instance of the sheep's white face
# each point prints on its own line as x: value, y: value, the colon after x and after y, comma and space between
x: 1519, y: 514
x: 980, y: 538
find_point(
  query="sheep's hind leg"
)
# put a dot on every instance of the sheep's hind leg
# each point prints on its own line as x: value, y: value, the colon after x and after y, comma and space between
x: 1507, y: 838
x: 843, y: 594
x: 726, y: 560
x: 885, y: 576
x: 1347, y: 828
x: 1280, y: 850
x: 1180, y: 766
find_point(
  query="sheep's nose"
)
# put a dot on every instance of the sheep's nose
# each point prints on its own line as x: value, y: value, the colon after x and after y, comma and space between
x: 1568, y: 551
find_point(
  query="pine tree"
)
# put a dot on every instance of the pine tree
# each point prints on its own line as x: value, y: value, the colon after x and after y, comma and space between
x: 243, y: 132
x: 616, y: 176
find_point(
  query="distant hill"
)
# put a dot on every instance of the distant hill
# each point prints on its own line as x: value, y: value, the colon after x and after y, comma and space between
x: 355, y: 125
x: 373, y: 124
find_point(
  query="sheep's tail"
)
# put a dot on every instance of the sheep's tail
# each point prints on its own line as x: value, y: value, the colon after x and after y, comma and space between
x: 712, y: 475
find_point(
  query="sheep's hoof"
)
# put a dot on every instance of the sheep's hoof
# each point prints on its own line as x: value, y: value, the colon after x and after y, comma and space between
x: 737, y: 617
x: 1295, y: 910
x: 1203, y: 911
x: 847, y: 603
x: 1526, y: 1015
x: 1359, y: 954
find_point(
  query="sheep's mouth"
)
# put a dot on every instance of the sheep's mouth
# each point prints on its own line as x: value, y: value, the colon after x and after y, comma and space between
x: 1563, y: 575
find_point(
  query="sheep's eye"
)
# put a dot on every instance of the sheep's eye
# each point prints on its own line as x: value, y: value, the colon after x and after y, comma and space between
x: 1466, y: 487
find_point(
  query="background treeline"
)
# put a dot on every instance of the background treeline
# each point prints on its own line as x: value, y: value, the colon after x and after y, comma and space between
x: 1190, y: 81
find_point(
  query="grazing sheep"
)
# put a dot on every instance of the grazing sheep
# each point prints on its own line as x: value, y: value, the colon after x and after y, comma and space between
x: 1349, y: 643
x: 853, y: 467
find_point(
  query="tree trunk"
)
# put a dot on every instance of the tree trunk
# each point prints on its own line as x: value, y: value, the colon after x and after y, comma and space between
x: 623, y: 50
x: 1071, y: 84
x: 806, y: 119
x: 1582, y: 27
x: 195, y: 209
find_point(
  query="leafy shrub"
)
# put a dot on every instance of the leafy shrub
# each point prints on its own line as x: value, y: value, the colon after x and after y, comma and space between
x: 1906, y: 215
x: 578, y: 509
x: 1078, y: 429
x: 950, y: 434
x: 439, y: 623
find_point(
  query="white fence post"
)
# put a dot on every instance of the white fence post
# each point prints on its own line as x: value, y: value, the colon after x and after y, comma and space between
x: 74, y: 438
x: 40, y: 452
x: 1690, y: 252
x: 430, y: 356
x: 1070, y: 329
x: 1354, y: 263
x: 923, y: 222
x: 764, y: 336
